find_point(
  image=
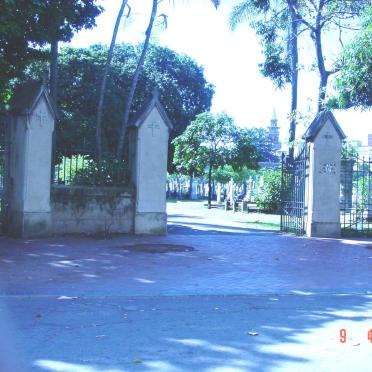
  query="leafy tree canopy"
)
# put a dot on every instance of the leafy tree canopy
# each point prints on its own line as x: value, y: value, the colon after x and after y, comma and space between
x: 27, y: 25
x: 354, y: 83
x: 184, y: 91
x: 207, y: 141
x: 210, y: 142
x: 261, y: 140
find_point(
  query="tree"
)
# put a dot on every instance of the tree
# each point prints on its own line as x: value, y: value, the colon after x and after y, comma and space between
x: 269, y: 198
x: 205, y: 144
x: 184, y: 91
x: 354, y: 83
x: 104, y: 80
x: 244, y: 153
x: 133, y: 86
x: 261, y: 140
x: 210, y: 142
x: 276, y: 24
x: 320, y: 16
x: 25, y: 26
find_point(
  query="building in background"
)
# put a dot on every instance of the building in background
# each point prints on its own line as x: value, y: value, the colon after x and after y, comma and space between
x: 274, y: 132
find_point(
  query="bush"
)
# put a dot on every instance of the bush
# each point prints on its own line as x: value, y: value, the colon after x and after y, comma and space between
x: 269, y: 197
x: 107, y: 173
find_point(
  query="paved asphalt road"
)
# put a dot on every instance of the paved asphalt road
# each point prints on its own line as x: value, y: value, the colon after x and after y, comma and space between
x: 211, y: 296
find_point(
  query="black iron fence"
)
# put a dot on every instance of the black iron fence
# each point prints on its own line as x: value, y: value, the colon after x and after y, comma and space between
x: 79, y: 167
x: 356, y: 196
x: 293, y: 192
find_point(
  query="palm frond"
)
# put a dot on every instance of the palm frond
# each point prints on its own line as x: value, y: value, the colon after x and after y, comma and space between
x: 216, y: 3
x: 240, y: 13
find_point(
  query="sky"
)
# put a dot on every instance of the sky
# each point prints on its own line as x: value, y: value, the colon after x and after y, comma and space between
x: 230, y: 60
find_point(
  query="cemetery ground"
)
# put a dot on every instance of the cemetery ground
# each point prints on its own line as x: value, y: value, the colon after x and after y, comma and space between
x: 215, y: 294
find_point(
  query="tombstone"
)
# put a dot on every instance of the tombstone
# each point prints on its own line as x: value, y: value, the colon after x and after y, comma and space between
x: 194, y: 189
x: 230, y: 191
x: 219, y: 192
x: 325, y: 137
x: 31, y: 130
x: 148, y: 153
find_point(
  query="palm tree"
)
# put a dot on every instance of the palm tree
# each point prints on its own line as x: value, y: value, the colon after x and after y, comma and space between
x: 133, y: 85
x: 102, y: 92
x: 128, y: 104
x: 253, y: 10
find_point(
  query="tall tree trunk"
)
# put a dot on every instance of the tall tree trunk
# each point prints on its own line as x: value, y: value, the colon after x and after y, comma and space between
x: 210, y: 186
x: 324, y: 74
x: 104, y: 81
x: 54, y: 72
x: 133, y: 86
x: 294, y: 74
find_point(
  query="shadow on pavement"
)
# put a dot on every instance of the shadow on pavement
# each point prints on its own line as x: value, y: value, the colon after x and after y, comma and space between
x: 194, y: 228
x: 196, y: 333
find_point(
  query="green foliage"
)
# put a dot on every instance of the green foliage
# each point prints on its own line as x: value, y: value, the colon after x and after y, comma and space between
x: 354, y: 83
x: 269, y: 197
x: 224, y: 174
x: 25, y: 26
x: 184, y: 91
x: 213, y: 141
x: 348, y: 150
x: 244, y: 152
x: 106, y: 173
x: 261, y: 140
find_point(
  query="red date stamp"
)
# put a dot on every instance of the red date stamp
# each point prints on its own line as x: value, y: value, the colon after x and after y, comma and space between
x: 343, y: 335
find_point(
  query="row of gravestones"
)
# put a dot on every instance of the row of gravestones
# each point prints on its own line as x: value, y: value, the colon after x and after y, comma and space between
x: 28, y: 179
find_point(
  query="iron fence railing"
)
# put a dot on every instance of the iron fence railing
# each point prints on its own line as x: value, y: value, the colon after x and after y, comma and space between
x: 293, y: 192
x: 356, y: 196
x: 79, y: 167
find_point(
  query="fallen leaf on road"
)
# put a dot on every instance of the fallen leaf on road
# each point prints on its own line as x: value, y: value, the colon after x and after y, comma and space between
x: 66, y: 298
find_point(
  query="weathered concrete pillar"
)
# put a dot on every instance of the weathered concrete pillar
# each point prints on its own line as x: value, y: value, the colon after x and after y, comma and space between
x: 31, y: 131
x: 325, y: 140
x: 149, y: 136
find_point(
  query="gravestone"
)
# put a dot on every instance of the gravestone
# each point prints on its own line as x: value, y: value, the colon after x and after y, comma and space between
x: 325, y: 138
x: 194, y: 189
x: 31, y: 130
x: 148, y: 153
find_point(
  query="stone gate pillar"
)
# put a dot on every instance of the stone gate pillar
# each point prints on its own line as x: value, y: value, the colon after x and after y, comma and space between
x: 325, y: 137
x: 148, y: 153
x: 31, y: 130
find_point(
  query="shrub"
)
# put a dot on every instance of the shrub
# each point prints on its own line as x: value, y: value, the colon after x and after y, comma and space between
x: 107, y: 173
x: 268, y: 198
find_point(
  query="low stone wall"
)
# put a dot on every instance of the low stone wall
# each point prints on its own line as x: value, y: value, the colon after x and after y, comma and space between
x: 92, y: 210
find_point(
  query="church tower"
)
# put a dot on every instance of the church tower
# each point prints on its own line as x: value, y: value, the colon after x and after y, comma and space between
x: 274, y: 131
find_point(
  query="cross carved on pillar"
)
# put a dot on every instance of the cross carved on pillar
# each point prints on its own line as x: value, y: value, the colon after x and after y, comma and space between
x: 153, y: 126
